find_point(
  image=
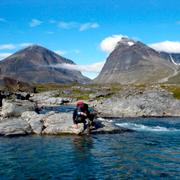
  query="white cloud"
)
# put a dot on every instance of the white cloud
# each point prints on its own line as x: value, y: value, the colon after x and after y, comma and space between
x: 88, y: 25
x: 7, y: 46
x: 25, y: 44
x: 67, y: 25
x: 35, y: 22
x: 109, y: 43
x: 14, y: 46
x: 60, y: 52
x: 4, y: 55
x: 167, y: 46
x: 95, y: 68
x: 77, y: 25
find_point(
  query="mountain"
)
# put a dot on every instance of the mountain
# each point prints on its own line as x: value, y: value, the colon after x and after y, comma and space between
x: 172, y: 57
x: 175, y: 59
x: 37, y: 64
x: 134, y: 62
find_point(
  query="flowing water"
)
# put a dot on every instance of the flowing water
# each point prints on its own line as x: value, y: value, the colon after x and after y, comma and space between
x: 152, y: 151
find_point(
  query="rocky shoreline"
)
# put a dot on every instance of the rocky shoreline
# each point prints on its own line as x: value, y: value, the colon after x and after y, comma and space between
x: 20, y: 116
x: 150, y: 103
x: 125, y: 101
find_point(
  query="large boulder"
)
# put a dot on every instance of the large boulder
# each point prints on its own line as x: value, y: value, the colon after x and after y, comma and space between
x: 22, y: 95
x: 103, y: 126
x: 15, y: 85
x: 14, y: 126
x: 148, y: 103
x: 52, y: 124
x: 16, y: 107
x: 49, y: 98
x: 34, y: 120
x: 60, y: 123
x: 100, y: 94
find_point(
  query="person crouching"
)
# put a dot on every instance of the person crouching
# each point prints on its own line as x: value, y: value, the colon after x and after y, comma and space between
x: 82, y: 115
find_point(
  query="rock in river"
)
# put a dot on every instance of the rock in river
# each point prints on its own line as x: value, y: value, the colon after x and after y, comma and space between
x: 149, y: 103
x: 14, y: 126
x: 16, y: 107
x: 60, y: 123
x: 49, y: 98
x: 34, y: 120
x: 19, y: 118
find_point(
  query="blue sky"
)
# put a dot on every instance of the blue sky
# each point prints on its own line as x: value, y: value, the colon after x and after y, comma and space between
x: 76, y: 28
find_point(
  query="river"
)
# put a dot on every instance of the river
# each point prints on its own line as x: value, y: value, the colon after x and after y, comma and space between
x: 152, y: 151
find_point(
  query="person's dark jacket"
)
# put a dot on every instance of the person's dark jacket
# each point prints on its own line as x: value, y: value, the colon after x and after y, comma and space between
x: 78, y: 117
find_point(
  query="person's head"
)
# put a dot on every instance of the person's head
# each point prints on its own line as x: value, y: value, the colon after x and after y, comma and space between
x: 80, y: 104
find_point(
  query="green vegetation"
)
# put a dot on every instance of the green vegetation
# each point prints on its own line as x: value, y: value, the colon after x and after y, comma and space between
x: 174, y: 89
x: 50, y: 87
x: 83, y: 92
x: 141, y: 87
x: 66, y: 90
x: 80, y: 94
x: 78, y: 91
x: 115, y: 88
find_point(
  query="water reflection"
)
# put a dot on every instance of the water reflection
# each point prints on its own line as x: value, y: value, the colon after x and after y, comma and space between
x: 83, y: 157
x: 83, y: 144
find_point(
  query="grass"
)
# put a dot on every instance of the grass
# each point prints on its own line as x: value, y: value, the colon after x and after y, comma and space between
x: 75, y: 92
x: 80, y: 95
x: 50, y: 87
x: 174, y: 89
x: 82, y: 92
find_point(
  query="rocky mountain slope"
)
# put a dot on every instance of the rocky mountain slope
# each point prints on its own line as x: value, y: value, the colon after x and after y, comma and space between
x: 175, y: 59
x: 36, y: 64
x: 134, y: 62
x: 172, y: 57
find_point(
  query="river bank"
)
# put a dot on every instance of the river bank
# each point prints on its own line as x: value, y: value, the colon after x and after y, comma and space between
x: 47, y: 113
x: 19, y: 117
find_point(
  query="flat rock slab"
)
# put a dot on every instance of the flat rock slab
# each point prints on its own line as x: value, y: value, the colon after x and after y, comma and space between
x: 34, y: 120
x: 14, y: 108
x: 60, y: 123
x: 14, y: 127
x: 52, y: 124
x: 102, y: 127
x: 49, y: 98
x: 147, y: 104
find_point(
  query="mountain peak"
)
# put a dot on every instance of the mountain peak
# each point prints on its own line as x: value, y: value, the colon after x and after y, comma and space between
x: 126, y: 41
x: 134, y: 62
x: 34, y: 64
x: 35, y: 47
